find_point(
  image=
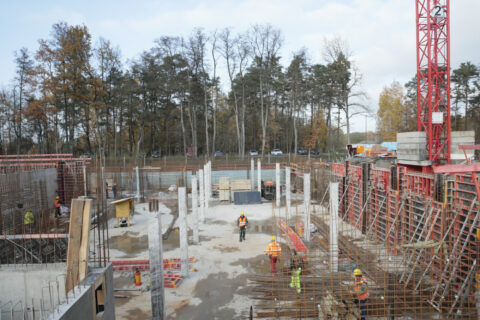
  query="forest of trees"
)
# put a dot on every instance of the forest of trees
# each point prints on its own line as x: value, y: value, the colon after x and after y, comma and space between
x: 75, y: 95
x: 72, y: 96
x: 397, y: 110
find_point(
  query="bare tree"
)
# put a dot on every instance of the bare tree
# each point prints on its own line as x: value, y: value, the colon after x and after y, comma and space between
x: 266, y: 42
x: 347, y: 78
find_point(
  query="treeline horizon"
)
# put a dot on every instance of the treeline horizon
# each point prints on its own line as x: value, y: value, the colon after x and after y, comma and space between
x: 71, y: 96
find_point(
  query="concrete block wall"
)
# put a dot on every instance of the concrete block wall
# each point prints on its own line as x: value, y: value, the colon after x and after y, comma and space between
x: 411, y: 146
x: 461, y: 138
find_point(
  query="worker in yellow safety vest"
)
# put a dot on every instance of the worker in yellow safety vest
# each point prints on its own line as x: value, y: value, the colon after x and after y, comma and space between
x: 273, y: 251
x: 360, y: 291
x: 242, y: 223
x: 29, y: 220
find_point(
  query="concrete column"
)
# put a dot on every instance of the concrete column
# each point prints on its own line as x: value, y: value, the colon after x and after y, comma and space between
x: 259, y: 171
x: 103, y: 182
x: 195, y: 208
x: 277, y: 185
x: 202, y: 195
x: 182, y: 218
x: 306, y: 204
x: 205, y: 181
x: 334, y: 226
x: 209, y: 180
x: 137, y: 170
x: 85, y: 189
x: 252, y: 173
x: 288, y: 195
x: 155, y: 248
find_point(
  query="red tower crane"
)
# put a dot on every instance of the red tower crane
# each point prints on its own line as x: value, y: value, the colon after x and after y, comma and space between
x: 433, y: 77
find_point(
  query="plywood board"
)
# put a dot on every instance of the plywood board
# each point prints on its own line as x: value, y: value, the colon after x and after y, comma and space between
x: 224, y: 183
x: 240, y: 185
x: 74, y: 239
x: 84, y: 242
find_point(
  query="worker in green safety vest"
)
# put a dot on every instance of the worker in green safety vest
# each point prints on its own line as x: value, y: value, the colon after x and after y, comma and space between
x: 29, y: 220
x: 295, y: 281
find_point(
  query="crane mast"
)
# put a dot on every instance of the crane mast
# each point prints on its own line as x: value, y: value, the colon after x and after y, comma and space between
x: 433, y: 77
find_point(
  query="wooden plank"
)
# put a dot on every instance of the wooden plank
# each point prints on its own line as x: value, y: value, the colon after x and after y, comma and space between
x: 84, y: 242
x: 75, y: 232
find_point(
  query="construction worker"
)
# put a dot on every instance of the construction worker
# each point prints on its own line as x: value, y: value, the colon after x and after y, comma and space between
x: 242, y: 223
x: 114, y: 190
x: 57, y: 204
x: 29, y: 220
x: 360, y: 291
x: 273, y: 251
x: 295, y: 281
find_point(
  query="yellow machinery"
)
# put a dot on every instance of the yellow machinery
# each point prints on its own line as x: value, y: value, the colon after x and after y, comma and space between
x: 123, y: 210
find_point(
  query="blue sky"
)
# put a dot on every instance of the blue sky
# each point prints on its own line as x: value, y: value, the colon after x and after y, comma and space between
x: 380, y: 33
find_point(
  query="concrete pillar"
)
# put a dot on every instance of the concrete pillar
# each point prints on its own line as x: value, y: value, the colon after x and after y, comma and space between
x: 103, y: 182
x: 288, y: 195
x: 209, y: 180
x: 259, y: 171
x: 252, y: 173
x: 182, y: 218
x: 195, y: 209
x: 277, y: 185
x: 202, y: 195
x: 306, y: 204
x: 334, y: 226
x: 155, y: 248
x: 205, y: 181
x: 137, y: 170
x: 85, y: 189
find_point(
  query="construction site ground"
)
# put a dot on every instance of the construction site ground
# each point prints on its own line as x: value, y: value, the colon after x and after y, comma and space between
x: 216, y: 287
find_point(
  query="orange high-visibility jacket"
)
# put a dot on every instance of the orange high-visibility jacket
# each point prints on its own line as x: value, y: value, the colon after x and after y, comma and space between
x: 274, y: 249
x: 242, y: 221
x: 358, y: 289
x: 56, y: 203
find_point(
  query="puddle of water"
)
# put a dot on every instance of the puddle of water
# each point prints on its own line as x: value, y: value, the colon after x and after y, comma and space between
x: 129, y: 243
x: 215, y: 292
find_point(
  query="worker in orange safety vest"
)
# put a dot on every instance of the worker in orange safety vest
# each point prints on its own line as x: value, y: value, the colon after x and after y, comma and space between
x: 242, y: 223
x: 360, y: 291
x: 273, y: 251
x: 57, y: 205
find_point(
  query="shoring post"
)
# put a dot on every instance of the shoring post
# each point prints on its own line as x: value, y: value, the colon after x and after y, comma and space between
x: 277, y: 185
x: 252, y: 174
x: 195, y: 209
x: 259, y: 174
x: 288, y: 195
x: 157, y: 290
x: 137, y: 171
x: 202, y: 195
x: 333, y: 226
x: 306, y: 204
x: 182, y: 215
x: 85, y: 190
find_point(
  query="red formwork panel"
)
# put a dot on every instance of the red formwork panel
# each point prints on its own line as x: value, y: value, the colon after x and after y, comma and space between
x: 338, y: 169
x: 467, y: 249
x: 419, y: 183
x: 354, y: 195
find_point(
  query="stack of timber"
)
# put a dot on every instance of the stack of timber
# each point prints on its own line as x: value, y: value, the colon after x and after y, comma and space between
x: 224, y: 189
x: 239, y: 186
x: 78, y: 242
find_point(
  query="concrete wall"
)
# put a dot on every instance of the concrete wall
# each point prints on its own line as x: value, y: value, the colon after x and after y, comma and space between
x: 27, y: 285
x: 34, y: 189
x: 82, y: 307
x: 158, y: 180
x: 43, y: 287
